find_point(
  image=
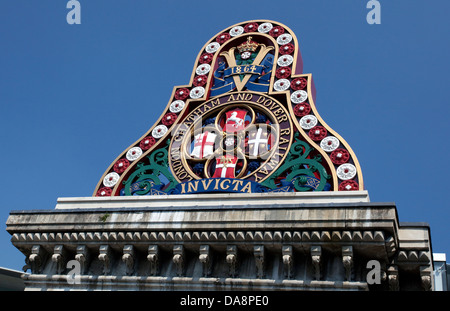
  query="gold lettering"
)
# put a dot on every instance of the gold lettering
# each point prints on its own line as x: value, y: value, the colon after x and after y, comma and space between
x: 206, y: 186
x: 285, y: 132
x: 231, y: 98
x: 247, y: 188
x: 282, y: 118
x: 183, y: 190
x: 217, y: 183
x: 222, y: 187
x: 240, y: 96
x: 249, y: 96
x: 278, y: 112
x: 260, y: 99
x: 237, y: 183
x: 193, y: 186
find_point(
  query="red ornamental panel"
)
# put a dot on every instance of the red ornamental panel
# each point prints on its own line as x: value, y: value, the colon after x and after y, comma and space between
x: 339, y: 156
x: 225, y: 167
x: 147, y: 143
x: 348, y: 185
x: 169, y: 119
x: 302, y: 109
x: 317, y: 133
x: 121, y: 165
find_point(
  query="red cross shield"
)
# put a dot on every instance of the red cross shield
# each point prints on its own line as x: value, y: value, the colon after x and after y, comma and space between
x: 203, y: 145
x: 225, y: 167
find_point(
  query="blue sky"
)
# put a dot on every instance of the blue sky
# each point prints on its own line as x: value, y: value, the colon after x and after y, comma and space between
x: 73, y: 97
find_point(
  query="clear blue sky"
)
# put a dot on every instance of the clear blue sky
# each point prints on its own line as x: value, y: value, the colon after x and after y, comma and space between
x: 73, y: 97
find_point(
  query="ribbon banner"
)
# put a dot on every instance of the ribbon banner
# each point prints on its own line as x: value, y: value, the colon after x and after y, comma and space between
x: 216, y: 185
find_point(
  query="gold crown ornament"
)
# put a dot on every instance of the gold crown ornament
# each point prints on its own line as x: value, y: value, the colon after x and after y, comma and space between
x: 248, y: 46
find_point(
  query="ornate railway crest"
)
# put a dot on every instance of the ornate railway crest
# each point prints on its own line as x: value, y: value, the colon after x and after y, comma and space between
x: 246, y: 123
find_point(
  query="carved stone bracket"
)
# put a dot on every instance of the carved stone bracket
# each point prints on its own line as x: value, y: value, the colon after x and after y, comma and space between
x: 316, y: 254
x: 105, y: 256
x: 153, y: 258
x: 83, y: 257
x: 59, y: 258
x: 347, y: 260
x: 258, y: 252
x: 179, y: 258
x: 36, y: 258
x: 128, y: 258
x: 232, y: 260
x: 288, y: 261
x: 425, y: 276
x: 393, y: 278
x: 205, y: 259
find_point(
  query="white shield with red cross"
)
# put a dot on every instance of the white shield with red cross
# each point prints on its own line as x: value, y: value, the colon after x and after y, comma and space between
x: 225, y: 167
x: 258, y: 142
x: 235, y: 120
x: 203, y: 145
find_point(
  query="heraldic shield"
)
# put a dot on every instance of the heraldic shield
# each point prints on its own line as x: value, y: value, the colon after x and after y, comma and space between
x: 246, y: 122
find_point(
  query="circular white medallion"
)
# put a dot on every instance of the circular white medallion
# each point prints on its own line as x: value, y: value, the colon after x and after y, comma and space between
x: 159, y: 131
x: 284, y: 39
x: 285, y: 60
x: 212, y: 47
x: 329, y: 143
x: 308, y: 122
x: 236, y: 31
x: 299, y: 96
x: 111, y: 179
x: 282, y: 85
x: 346, y: 171
x: 246, y: 55
x: 134, y: 153
x: 203, y: 69
x: 265, y: 27
x: 197, y: 92
x: 176, y: 106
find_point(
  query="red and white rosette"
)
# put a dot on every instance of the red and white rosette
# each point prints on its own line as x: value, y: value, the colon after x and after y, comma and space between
x: 104, y: 192
x: 200, y: 80
x: 317, y: 133
x: 287, y: 49
x: 147, y: 143
x: 111, y: 179
x: 348, y: 185
x: 223, y: 37
x: 203, y: 69
x: 283, y: 72
x: 302, y: 109
x: 285, y: 60
x: 197, y: 92
x: 329, y: 143
x: 182, y: 94
x: 212, y: 47
x: 133, y: 154
x: 169, y: 119
x: 308, y: 122
x: 339, y: 156
x: 299, y: 96
x: 265, y: 27
x: 176, y: 106
x: 236, y: 31
x: 159, y: 131
x: 346, y: 171
x: 284, y: 39
x: 251, y: 27
x: 299, y: 84
x: 206, y: 58
x: 281, y: 85
x: 121, y: 165
x: 276, y: 31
